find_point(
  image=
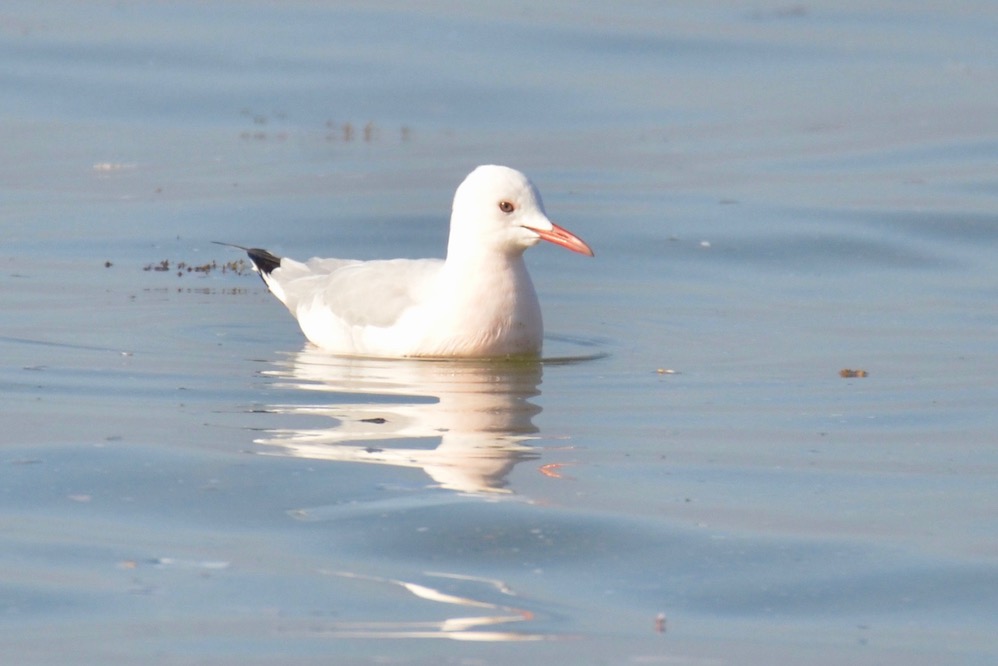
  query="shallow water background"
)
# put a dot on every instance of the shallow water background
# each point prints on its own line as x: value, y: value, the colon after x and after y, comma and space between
x: 774, y: 191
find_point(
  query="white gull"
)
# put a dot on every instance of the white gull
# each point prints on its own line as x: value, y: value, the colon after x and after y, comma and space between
x: 478, y: 303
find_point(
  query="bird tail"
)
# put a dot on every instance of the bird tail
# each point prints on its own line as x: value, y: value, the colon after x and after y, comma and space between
x: 264, y: 262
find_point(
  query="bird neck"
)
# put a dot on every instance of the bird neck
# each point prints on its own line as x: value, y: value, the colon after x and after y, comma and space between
x: 487, y: 306
x: 479, y: 250
x: 483, y: 263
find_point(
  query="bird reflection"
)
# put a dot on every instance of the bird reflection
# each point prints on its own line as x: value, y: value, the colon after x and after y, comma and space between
x: 487, y: 626
x: 391, y: 412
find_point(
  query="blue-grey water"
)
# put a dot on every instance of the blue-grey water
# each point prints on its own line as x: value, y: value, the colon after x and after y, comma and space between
x: 776, y: 192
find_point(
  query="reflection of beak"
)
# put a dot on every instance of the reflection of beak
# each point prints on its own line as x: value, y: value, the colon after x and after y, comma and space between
x: 564, y: 238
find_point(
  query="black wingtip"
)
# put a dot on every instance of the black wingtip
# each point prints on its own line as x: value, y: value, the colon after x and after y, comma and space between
x: 264, y: 261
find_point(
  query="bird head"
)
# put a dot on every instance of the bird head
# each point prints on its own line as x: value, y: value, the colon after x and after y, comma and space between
x: 498, y: 209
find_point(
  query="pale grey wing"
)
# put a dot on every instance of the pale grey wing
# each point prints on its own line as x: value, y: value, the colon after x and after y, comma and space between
x: 294, y: 282
x: 371, y: 293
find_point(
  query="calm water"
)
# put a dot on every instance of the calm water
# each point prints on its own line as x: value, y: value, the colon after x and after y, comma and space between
x: 775, y: 192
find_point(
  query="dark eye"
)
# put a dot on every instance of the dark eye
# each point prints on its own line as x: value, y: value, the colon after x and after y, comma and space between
x: 506, y: 207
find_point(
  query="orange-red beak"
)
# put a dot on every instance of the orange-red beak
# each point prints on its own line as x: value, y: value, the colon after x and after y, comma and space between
x: 564, y: 238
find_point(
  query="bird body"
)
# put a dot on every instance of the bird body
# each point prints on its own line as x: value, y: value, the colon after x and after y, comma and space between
x: 477, y: 303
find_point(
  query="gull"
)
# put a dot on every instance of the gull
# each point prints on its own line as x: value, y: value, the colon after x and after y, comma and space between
x: 479, y: 302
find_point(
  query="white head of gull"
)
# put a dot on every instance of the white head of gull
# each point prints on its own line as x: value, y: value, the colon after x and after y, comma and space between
x: 478, y: 303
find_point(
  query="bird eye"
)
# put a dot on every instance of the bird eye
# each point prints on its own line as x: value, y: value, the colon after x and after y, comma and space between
x: 506, y: 207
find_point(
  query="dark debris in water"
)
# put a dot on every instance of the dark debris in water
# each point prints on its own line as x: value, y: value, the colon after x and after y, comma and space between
x: 238, y: 266
x: 262, y: 129
x: 206, y: 291
x: 181, y: 268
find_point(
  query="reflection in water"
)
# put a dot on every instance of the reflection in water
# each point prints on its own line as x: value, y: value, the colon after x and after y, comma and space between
x: 464, y: 628
x: 466, y: 424
x: 478, y: 414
